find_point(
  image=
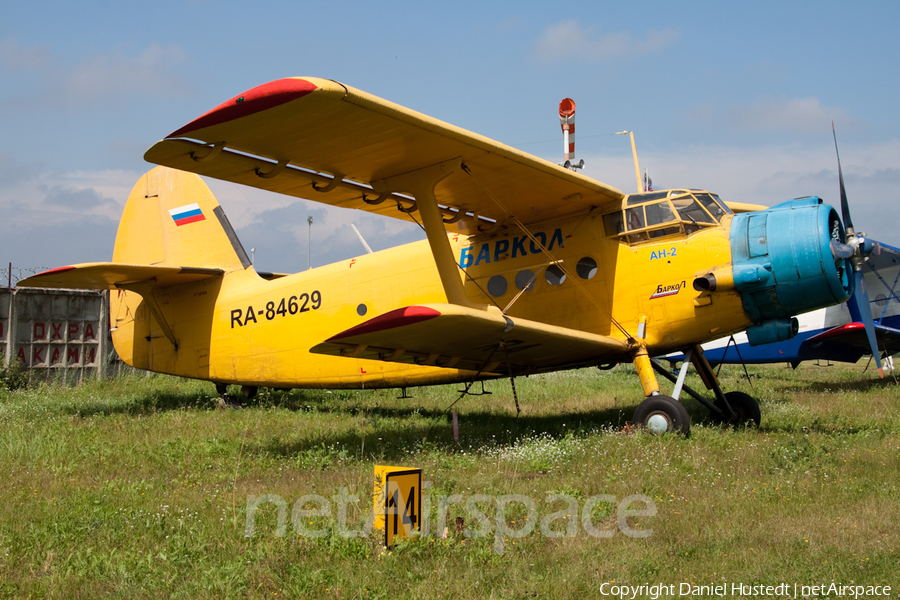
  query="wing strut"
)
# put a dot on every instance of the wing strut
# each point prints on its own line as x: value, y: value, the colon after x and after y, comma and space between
x: 420, y: 183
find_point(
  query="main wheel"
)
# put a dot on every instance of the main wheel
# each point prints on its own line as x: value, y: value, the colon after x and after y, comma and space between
x: 663, y: 414
x: 745, y: 407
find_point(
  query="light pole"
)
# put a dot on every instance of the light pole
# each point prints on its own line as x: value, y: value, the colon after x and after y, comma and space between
x: 309, y: 244
x: 637, y: 170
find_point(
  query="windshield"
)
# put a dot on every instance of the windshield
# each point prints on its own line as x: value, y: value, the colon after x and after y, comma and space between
x: 659, y: 214
x: 690, y: 210
x: 714, y: 208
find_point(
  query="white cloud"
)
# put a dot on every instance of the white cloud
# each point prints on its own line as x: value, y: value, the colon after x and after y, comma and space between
x: 13, y: 172
x: 796, y: 115
x: 106, y: 76
x: 773, y: 174
x: 52, y: 219
x: 76, y: 192
x: 16, y: 57
x: 570, y: 41
x: 151, y: 72
x: 276, y: 225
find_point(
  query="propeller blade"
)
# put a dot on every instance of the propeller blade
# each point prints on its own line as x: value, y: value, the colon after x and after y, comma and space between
x: 845, y: 206
x: 861, y: 310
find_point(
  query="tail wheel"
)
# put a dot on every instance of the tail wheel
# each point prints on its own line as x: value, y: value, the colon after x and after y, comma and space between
x: 663, y: 414
x: 745, y: 407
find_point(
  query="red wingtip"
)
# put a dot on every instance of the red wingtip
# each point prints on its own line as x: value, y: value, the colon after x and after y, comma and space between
x: 260, y: 98
x: 390, y: 320
x: 54, y: 271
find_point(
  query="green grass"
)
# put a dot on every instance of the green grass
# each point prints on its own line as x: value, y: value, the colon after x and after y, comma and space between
x: 137, y: 488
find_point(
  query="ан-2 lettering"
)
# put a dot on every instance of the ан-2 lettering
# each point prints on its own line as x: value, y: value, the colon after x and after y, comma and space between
x: 290, y: 306
x: 670, y: 253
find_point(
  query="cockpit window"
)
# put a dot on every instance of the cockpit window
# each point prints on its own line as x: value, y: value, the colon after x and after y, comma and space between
x: 613, y: 223
x: 714, y: 208
x: 722, y: 204
x: 634, y: 217
x: 690, y: 210
x: 659, y: 214
x: 639, y: 198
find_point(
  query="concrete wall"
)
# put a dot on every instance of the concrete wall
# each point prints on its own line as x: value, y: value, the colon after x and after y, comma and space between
x: 61, y: 335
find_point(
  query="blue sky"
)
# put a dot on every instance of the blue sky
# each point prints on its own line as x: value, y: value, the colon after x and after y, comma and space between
x: 733, y: 97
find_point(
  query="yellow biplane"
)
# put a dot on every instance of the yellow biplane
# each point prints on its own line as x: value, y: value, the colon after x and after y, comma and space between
x: 528, y: 267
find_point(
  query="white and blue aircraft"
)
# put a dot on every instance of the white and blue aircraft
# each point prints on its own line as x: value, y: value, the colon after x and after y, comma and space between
x: 836, y: 333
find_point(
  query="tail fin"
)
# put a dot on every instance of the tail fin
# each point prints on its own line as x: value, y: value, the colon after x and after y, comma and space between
x: 172, y: 219
x: 172, y: 233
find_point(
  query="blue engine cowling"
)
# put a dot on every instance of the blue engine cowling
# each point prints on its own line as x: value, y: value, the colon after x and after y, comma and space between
x: 782, y: 261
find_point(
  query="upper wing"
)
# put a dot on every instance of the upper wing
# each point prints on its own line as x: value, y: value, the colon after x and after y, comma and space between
x: 448, y: 335
x: 110, y: 276
x: 886, y: 257
x: 297, y: 136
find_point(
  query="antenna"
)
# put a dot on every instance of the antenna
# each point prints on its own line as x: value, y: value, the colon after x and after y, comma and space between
x: 361, y: 239
x: 567, y: 122
x: 637, y: 169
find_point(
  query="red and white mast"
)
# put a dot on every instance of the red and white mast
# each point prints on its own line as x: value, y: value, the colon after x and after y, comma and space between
x: 567, y: 122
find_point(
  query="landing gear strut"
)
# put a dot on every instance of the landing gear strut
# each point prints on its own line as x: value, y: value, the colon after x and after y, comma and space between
x: 658, y: 414
x: 732, y: 408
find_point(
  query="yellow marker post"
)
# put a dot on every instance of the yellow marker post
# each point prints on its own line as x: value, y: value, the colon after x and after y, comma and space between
x: 397, y: 501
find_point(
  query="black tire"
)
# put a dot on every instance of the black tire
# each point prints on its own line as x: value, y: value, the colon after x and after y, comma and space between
x: 249, y: 391
x: 222, y: 389
x: 663, y: 414
x: 745, y: 407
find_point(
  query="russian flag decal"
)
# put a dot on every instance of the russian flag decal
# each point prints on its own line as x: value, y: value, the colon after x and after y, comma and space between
x: 189, y: 213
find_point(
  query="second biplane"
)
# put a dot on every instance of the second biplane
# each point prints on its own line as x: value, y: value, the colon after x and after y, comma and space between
x: 528, y: 267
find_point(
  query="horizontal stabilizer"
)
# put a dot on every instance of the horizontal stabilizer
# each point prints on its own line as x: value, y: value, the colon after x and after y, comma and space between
x: 447, y: 335
x: 110, y: 276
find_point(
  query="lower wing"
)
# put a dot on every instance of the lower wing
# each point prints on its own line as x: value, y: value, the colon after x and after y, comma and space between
x: 448, y: 335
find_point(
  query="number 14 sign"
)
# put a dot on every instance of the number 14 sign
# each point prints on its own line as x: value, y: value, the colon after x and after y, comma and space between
x: 397, y: 502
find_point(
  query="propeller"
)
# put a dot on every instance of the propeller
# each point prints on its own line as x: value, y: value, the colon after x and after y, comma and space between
x: 856, y: 249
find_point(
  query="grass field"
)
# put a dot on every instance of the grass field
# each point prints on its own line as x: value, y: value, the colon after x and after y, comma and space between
x: 138, y: 488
